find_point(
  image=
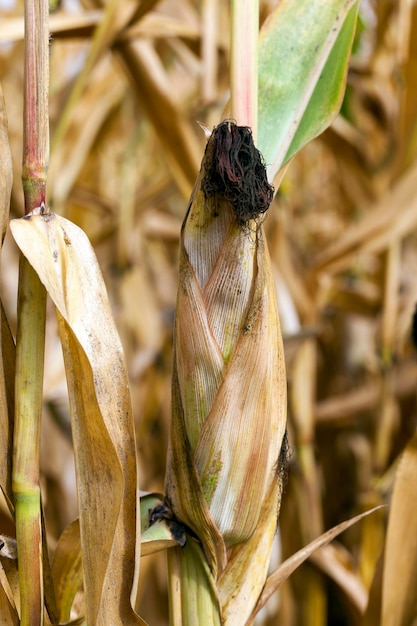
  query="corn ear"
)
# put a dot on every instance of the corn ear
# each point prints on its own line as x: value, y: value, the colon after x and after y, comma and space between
x: 229, y: 385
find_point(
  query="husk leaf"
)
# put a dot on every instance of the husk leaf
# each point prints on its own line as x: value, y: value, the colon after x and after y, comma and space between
x: 241, y: 583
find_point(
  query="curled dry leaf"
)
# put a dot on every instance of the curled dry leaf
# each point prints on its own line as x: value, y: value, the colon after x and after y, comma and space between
x: 8, y: 610
x: 285, y: 570
x: 67, y: 569
x: 101, y: 412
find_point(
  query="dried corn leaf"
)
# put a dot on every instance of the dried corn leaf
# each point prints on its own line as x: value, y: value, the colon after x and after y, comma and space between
x: 399, y: 598
x: 285, y: 570
x: 329, y: 561
x: 67, y: 569
x: 372, y: 614
x: 8, y: 612
x: 9, y: 582
x: 116, y: 16
x: 69, y: 158
x: 60, y: 24
x: 7, y: 374
x: 101, y: 411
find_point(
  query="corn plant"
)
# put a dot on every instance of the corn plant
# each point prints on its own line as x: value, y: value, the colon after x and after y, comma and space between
x: 227, y: 451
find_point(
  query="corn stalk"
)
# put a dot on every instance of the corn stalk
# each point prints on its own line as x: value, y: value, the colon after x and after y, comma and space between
x: 31, y: 323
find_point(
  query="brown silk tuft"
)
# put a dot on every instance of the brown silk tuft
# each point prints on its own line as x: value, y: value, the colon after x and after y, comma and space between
x: 236, y: 170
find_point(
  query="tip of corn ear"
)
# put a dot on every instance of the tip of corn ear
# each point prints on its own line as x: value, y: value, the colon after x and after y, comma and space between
x: 235, y: 169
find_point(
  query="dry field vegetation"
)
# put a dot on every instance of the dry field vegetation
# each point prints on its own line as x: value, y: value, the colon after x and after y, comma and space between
x: 128, y: 85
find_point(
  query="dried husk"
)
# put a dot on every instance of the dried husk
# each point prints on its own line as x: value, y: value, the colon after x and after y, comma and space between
x: 229, y: 386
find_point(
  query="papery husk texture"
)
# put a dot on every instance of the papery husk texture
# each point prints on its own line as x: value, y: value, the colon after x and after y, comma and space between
x: 229, y: 385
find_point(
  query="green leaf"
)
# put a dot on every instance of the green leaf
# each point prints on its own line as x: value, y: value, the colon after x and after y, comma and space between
x: 303, y: 57
x: 157, y: 536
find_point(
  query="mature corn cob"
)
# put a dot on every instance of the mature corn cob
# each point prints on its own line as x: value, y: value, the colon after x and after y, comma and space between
x: 229, y: 386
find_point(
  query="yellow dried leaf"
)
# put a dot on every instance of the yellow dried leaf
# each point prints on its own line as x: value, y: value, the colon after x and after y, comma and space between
x: 399, y: 598
x: 67, y: 569
x: 101, y: 412
x: 8, y: 610
x: 285, y: 570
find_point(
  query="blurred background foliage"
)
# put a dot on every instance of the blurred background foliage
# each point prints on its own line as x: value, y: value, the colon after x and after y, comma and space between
x: 129, y: 82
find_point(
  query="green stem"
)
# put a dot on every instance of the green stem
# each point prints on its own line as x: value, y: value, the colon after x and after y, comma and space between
x: 28, y: 407
x: 244, y: 63
x: 31, y: 316
x: 191, y: 588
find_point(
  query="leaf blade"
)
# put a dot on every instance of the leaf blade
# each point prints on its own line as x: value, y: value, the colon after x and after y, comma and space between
x: 291, y: 83
x: 290, y: 565
x: 101, y: 411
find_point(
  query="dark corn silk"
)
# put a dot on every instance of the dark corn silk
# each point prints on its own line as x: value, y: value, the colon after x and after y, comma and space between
x: 235, y: 170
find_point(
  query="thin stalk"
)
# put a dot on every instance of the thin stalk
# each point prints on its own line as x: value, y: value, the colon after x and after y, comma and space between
x: 28, y: 407
x: 35, y: 113
x: 31, y: 314
x: 244, y: 63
